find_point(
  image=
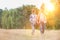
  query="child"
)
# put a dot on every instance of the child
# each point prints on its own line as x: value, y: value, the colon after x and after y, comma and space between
x: 33, y: 19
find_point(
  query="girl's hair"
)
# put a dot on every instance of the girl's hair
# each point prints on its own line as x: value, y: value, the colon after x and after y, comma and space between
x: 33, y: 10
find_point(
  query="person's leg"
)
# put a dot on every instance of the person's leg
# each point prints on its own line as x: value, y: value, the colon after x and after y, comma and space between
x: 33, y: 28
x: 42, y: 28
x: 42, y: 31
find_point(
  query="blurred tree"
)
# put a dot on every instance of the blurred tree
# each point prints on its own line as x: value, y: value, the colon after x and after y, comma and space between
x: 57, y: 13
x: 0, y: 17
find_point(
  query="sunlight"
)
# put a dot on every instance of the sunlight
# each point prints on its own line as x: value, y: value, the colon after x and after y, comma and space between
x: 49, y: 6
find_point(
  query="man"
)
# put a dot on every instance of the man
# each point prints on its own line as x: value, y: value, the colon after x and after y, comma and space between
x: 33, y: 19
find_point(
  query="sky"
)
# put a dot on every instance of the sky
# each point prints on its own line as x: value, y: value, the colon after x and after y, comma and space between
x: 17, y: 3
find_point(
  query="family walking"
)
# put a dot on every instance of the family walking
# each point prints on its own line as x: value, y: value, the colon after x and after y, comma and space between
x: 39, y: 19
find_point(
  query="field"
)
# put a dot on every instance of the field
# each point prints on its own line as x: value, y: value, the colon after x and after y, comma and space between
x: 25, y: 34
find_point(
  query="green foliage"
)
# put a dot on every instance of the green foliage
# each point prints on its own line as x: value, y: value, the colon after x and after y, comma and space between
x: 16, y: 18
x: 19, y: 18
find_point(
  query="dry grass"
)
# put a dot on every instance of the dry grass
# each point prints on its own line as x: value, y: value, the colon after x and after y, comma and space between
x: 25, y: 34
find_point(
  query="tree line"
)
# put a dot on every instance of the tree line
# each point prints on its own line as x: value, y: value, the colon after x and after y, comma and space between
x: 18, y: 18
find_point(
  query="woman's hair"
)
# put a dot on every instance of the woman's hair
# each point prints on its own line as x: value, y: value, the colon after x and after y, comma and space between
x: 42, y: 7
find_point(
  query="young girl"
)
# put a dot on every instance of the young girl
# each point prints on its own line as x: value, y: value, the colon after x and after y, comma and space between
x: 33, y: 19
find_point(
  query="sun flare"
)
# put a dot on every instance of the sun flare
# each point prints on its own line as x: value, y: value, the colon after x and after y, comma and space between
x: 49, y: 7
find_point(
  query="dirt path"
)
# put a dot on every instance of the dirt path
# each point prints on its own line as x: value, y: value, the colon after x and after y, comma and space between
x: 25, y: 34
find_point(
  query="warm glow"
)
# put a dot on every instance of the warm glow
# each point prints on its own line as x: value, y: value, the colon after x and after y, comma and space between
x: 49, y: 7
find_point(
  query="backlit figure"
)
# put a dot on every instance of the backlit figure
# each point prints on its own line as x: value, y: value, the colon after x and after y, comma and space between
x: 33, y: 19
x: 42, y: 19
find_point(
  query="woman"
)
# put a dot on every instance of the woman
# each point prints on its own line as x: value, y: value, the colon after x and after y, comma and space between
x: 42, y: 19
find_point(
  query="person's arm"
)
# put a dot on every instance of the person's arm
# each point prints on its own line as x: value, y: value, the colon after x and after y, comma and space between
x: 45, y: 20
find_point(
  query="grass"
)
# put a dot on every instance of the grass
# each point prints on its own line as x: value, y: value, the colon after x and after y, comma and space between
x: 25, y: 34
